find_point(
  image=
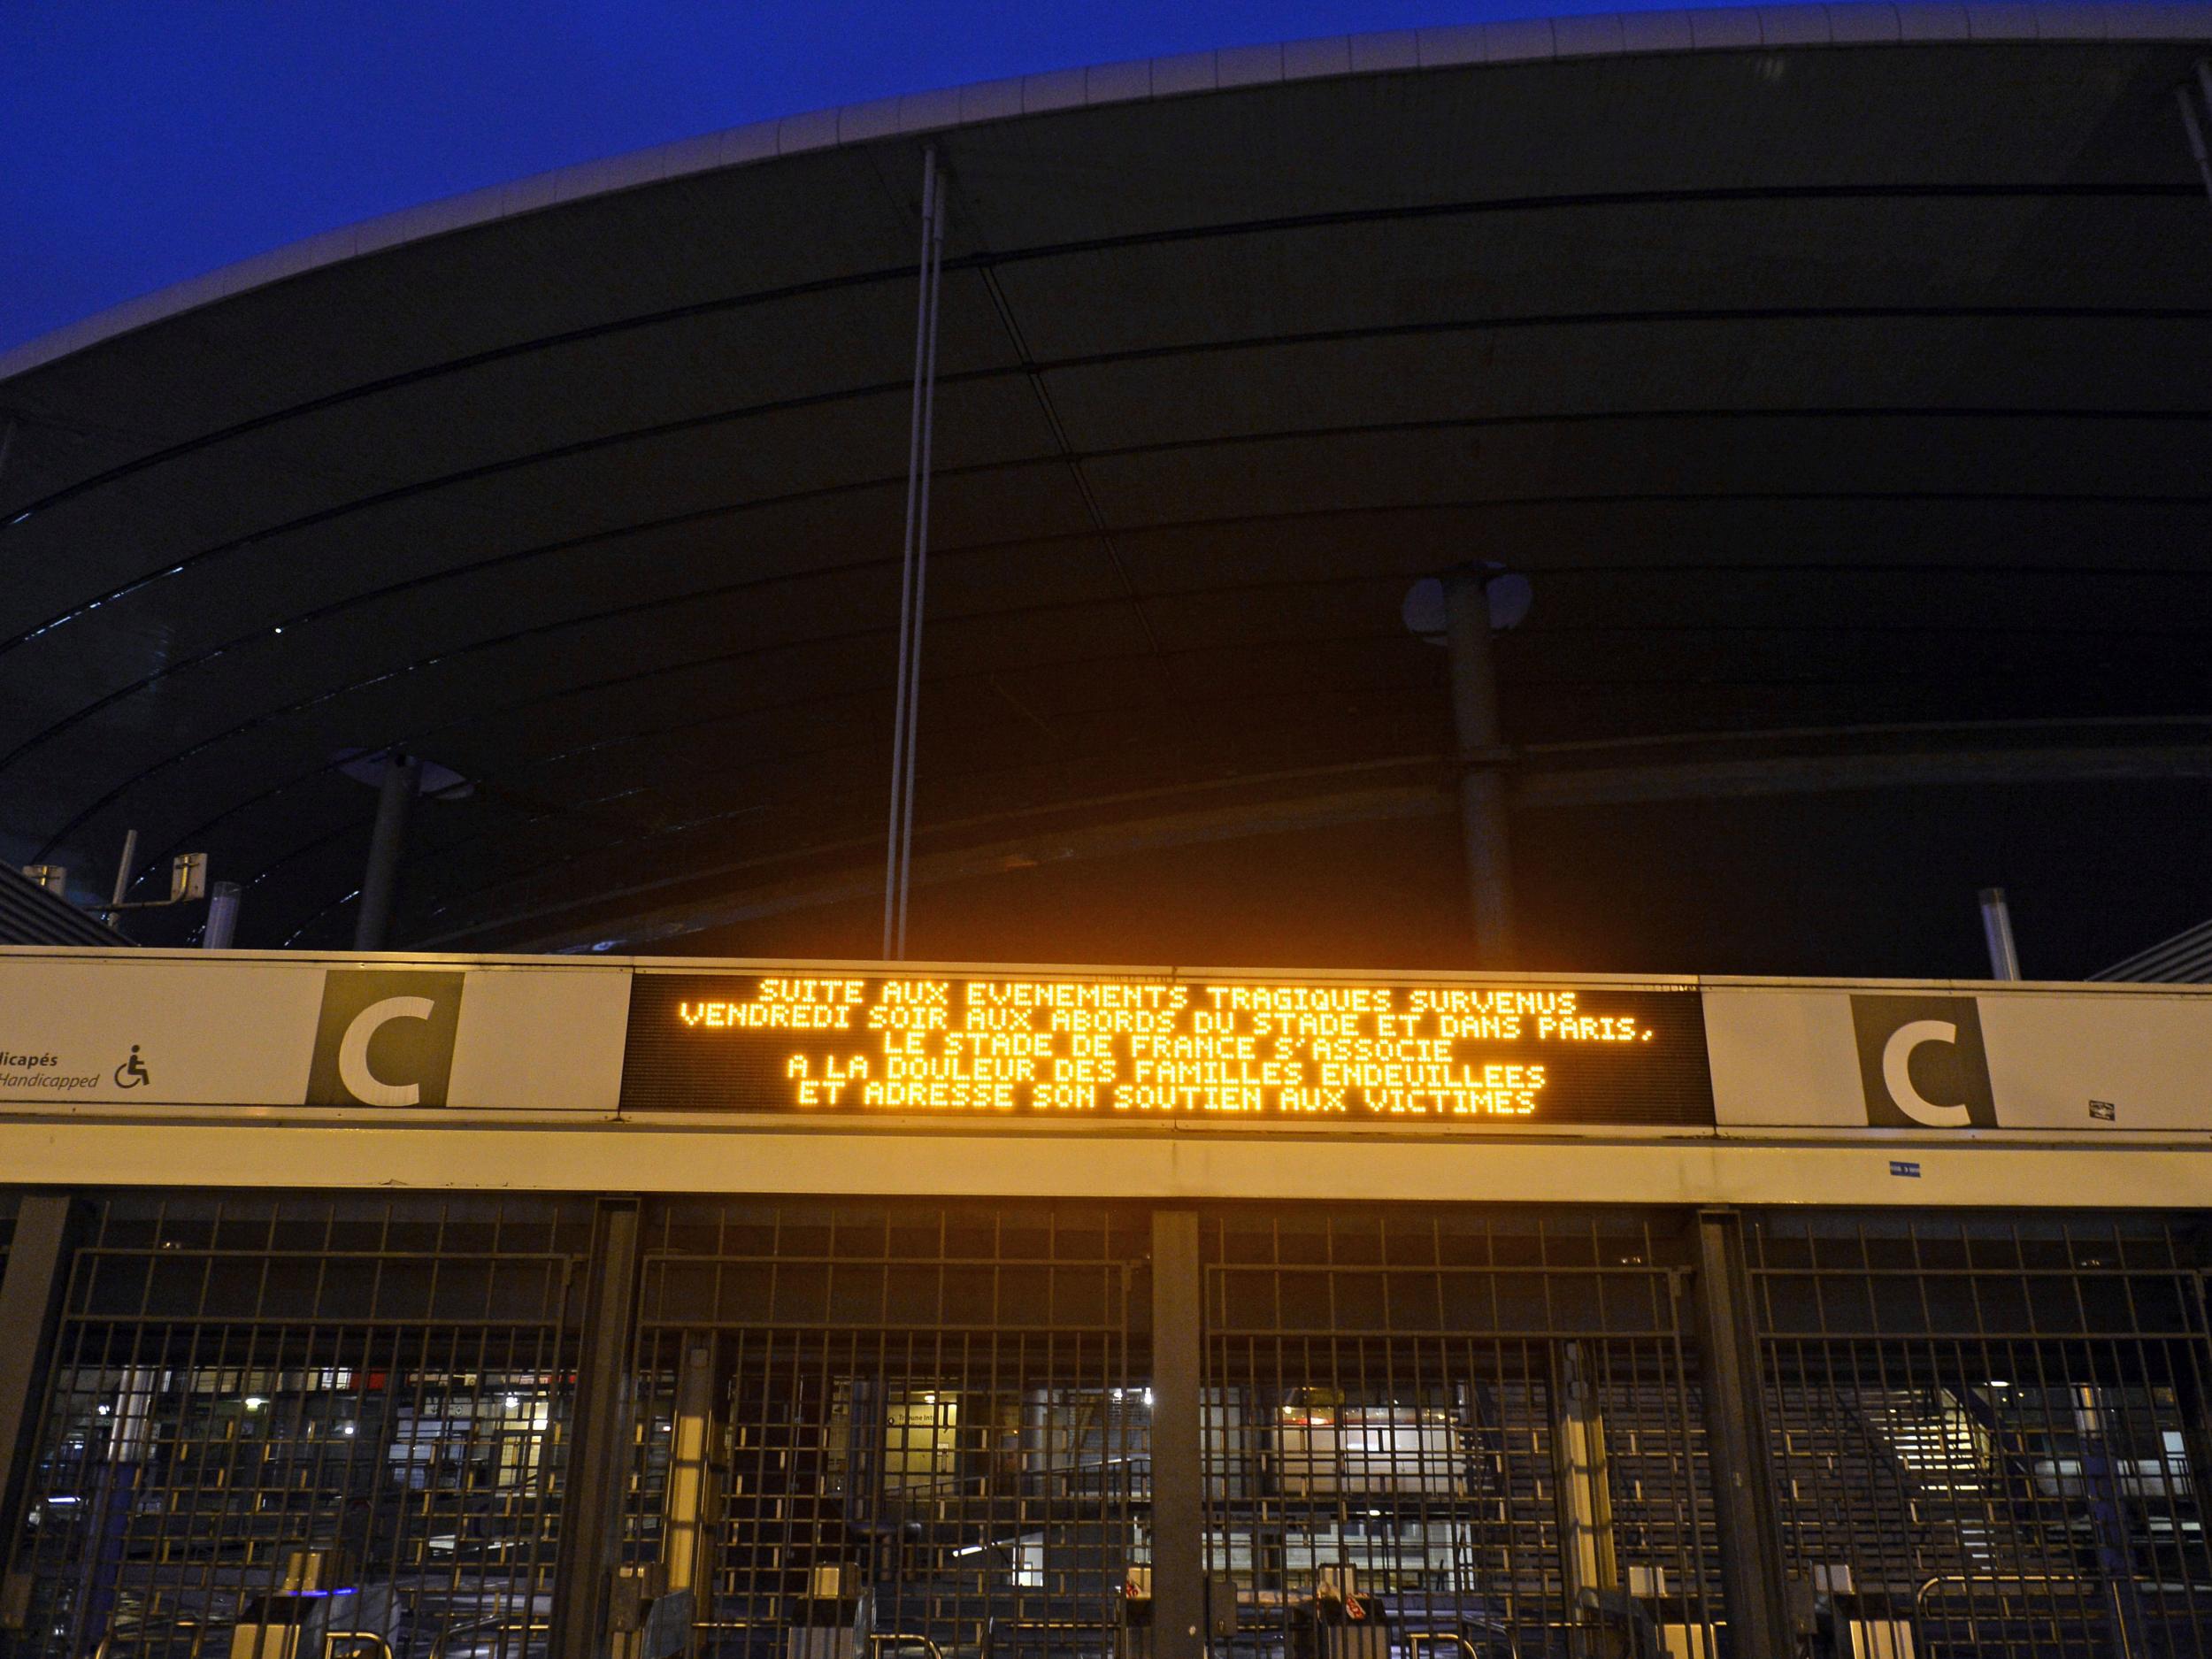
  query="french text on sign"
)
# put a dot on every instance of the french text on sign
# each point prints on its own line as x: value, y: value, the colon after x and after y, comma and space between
x: 1149, y: 1049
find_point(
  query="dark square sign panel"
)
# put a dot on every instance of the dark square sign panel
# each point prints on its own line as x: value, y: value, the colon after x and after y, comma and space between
x: 997, y: 1045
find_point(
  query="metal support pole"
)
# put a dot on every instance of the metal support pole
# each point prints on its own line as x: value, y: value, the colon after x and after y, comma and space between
x: 2004, y: 959
x: 599, y: 1438
x: 115, y: 1500
x: 2102, y: 1483
x: 31, y: 1295
x: 914, y: 567
x: 2192, y: 126
x: 123, y: 867
x: 691, y: 1494
x: 1179, y: 1567
x: 222, y: 917
x: 1752, y: 1580
x: 1482, y: 783
x: 2178, y: 1473
x: 379, y: 882
x: 1582, y: 1485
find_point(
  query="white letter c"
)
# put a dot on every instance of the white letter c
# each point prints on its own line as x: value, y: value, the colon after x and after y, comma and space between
x: 1896, y: 1071
x: 353, y: 1053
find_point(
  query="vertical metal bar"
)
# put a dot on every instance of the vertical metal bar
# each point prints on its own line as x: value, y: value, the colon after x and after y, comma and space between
x: 1736, y: 1441
x: 123, y: 867
x: 600, y: 1442
x: 2100, y: 1467
x: 2191, y: 126
x: 380, y: 882
x: 936, y: 262
x: 1483, y: 826
x: 1177, y: 1489
x: 914, y: 554
x: 2004, y: 958
x: 689, y: 1498
x: 1582, y: 1484
x: 31, y: 1295
x: 222, y: 917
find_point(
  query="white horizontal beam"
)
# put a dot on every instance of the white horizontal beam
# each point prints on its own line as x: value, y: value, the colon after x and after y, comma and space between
x: 1991, y: 1171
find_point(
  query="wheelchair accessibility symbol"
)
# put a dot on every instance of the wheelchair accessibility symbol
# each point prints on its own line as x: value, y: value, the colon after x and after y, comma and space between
x: 133, y: 1073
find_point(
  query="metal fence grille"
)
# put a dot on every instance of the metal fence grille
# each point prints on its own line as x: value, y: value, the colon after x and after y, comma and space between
x: 1987, y: 1430
x: 1483, y: 1427
x: 929, y: 1422
x: 237, y: 1381
x: 925, y: 1430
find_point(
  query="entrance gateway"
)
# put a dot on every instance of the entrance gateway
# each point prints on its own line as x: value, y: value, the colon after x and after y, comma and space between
x: 472, y: 1306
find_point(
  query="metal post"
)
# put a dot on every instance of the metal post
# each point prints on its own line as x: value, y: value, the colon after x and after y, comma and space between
x: 2190, y: 124
x: 2177, y: 1474
x: 690, y: 1470
x: 31, y: 1295
x: 599, y: 1438
x: 115, y: 1499
x: 1582, y: 1485
x: 1483, y: 826
x: 914, y: 566
x: 2101, y: 1480
x: 379, y: 882
x: 2004, y: 960
x: 222, y: 917
x: 1179, y: 1567
x: 1753, y: 1581
x: 123, y: 866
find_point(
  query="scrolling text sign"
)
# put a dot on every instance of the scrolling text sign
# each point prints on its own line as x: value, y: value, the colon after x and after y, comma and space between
x: 1154, y: 1049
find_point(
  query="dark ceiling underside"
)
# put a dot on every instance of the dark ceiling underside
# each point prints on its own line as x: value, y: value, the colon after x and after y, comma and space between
x: 1821, y: 392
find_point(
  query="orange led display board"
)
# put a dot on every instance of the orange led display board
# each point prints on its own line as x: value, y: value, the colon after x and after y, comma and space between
x: 1004, y: 1044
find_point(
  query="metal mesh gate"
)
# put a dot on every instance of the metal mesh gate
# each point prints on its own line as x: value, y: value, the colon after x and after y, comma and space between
x: 928, y: 1423
x: 238, y: 1381
x: 1466, y: 1429
x: 925, y: 1430
x: 1987, y: 1430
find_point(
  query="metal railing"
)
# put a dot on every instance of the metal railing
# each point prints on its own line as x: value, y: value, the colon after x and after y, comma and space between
x: 1013, y: 1630
x: 1417, y: 1640
x: 523, y: 1627
x: 199, y: 1638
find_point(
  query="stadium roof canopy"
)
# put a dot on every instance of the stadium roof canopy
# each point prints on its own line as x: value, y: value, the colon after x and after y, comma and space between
x: 1838, y: 373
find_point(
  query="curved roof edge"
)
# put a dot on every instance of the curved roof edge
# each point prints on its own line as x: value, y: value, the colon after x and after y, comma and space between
x: 1530, y: 40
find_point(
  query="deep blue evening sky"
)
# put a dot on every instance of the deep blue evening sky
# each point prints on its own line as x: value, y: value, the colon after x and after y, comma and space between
x: 144, y: 143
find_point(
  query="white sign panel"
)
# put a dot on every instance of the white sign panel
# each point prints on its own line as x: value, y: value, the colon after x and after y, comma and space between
x: 1908, y: 1057
x: 130, y: 1031
x: 156, y: 1033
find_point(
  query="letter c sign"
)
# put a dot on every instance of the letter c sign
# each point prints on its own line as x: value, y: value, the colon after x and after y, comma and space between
x: 1921, y: 1063
x: 384, y: 1039
x: 1897, y: 1072
x: 353, y: 1052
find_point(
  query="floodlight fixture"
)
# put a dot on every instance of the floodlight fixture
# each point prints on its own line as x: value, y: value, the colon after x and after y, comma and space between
x: 1508, y: 592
